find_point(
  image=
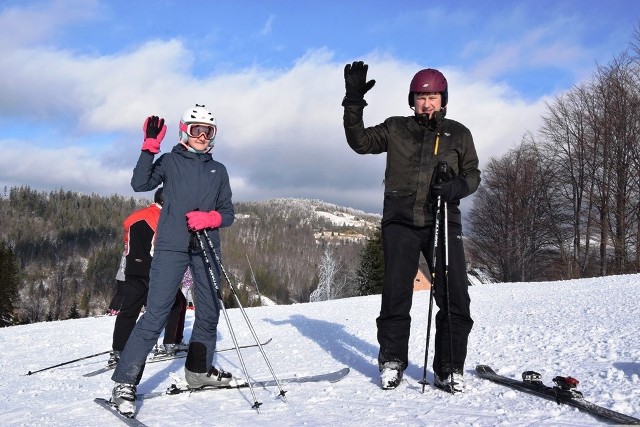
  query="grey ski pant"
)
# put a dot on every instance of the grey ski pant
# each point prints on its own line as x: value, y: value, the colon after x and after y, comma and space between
x: 167, y: 270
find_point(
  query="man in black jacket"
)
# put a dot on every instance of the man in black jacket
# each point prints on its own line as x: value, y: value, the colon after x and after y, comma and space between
x: 415, y: 145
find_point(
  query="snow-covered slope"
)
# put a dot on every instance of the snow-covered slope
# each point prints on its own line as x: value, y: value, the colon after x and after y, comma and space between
x: 585, y: 328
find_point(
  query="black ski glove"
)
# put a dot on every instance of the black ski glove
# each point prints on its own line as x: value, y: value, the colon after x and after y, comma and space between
x: 153, y: 126
x: 448, y: 186
x: 356, y: 84
x: 451, y: 191
x: 154, y: 130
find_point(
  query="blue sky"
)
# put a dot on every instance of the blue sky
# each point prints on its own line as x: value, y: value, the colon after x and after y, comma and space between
x: 78, y: 78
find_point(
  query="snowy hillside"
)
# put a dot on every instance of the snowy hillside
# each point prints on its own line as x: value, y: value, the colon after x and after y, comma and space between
x: 588, y: 329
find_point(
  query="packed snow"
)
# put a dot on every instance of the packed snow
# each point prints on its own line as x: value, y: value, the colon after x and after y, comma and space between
x: 584, y: 328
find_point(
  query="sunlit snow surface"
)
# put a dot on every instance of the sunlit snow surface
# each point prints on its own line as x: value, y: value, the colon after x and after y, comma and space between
x: 588, y: 329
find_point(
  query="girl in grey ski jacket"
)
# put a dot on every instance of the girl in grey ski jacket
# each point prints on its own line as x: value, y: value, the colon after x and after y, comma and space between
x: 192, y: 181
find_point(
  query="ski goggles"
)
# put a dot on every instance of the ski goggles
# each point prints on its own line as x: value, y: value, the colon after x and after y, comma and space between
x: 194, y: 130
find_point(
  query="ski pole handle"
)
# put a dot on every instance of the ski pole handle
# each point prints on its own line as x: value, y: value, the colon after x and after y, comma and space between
x: 442, y: 171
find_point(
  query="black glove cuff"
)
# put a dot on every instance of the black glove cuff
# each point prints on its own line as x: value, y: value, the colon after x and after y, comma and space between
x: 461, y: 187
x: 354, y: 100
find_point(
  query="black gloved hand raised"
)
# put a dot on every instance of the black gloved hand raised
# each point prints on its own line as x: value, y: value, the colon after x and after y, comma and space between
x: 356, y: 84
x: 153, y: 126
x: 154, y: 130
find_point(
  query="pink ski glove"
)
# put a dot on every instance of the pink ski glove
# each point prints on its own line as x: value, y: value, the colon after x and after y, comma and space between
x: 197, y: 220
x: 154, y: 130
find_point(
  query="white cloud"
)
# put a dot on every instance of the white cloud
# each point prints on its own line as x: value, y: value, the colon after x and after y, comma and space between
x: 268, y: 26
x: 38, y: 23
x: 280, y: 130
x: 74, y: 168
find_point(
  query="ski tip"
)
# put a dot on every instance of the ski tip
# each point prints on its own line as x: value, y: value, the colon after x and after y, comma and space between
x: 344, y: 371
x: 484, y: 369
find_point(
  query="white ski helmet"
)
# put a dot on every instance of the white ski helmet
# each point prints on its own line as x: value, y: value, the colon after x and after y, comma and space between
x: 197, y: 115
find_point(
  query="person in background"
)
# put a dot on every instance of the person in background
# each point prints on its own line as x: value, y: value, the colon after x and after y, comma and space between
x: 117, y: 300
x: 187, y: 288
x: 139, y: 238
x: 415, y: 145
x: 197, y: 199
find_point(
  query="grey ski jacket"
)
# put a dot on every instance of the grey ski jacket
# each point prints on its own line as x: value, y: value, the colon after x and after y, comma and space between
x: 191, y: 181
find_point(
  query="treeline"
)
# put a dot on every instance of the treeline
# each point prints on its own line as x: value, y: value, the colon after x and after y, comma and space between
x: 565, y: 203
x: 64, y: 249
x: 67, y: 246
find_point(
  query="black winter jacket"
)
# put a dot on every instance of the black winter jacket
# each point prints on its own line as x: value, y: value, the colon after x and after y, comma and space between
x: 411, y: 162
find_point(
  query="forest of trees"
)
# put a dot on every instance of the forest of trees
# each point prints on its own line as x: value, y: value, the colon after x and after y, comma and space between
x: 565, y: 203
x: 62, y: 264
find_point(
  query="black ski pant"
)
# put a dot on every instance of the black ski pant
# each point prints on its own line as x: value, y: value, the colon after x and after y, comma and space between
x: 117, y: 300
x: 134, y: 292
x: 134, y: 296
x: 174, y: 329
x: 402, y: 245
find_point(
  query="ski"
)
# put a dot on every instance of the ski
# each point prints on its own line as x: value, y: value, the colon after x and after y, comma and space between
x: 155, y: 359
x: 111, y: 408
x: 331, y: 377
x: 563, y: 392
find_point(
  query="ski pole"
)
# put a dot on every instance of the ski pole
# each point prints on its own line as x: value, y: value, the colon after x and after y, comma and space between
x: 217, y: 296
x: 246, y: 318
x: 446, y: 290
x: 69, y: 362
x: 253, y: 276
x: 436, y: 231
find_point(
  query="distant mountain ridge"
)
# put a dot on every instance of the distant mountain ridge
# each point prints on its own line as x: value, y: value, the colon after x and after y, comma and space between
x: 340, y: 222
x: 284, y: 240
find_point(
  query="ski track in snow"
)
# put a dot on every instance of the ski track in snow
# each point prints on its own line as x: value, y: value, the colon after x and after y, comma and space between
x: 584, y: 328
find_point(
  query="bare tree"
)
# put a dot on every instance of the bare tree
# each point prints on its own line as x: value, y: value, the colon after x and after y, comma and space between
x: 328, y: 270
x: 509, y: 221
x: 619, y: 91
x: 590, y: 135
x: 570, y: 138
x: 33, y: 306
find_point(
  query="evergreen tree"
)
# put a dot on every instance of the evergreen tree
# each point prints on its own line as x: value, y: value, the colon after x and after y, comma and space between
x: 73, y: 311
x: 9, y: 281
x: 370, y: 273
x: 84, y: 302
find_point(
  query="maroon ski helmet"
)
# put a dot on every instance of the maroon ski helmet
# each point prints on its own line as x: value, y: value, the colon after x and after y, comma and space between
x: 429, y: 80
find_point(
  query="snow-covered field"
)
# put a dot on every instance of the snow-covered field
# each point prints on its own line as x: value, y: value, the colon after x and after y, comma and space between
x: 584, y: 328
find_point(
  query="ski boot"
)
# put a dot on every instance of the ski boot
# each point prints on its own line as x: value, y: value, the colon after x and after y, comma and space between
x: 453, y: 382
x: 114, y: 356
x: 213, y: 378
x: 123, y: 397
x: 390, y: 375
